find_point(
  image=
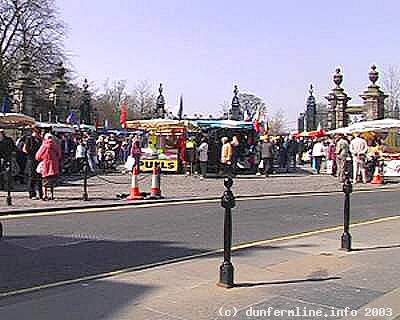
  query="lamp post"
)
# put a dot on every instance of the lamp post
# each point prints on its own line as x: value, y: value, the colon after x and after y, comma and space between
x: 347, y: 189
x: 85, y: 196
x: 226, y: 269
x: 8, y: 171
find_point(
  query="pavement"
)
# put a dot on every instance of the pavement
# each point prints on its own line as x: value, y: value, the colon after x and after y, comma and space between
x: 305, y: 273
x: 104, y: 189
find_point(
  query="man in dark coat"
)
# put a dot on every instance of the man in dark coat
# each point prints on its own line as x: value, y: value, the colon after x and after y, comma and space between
x: 293, y: 149
x: 7, y: 151
x: 267, y: 155
x: 31, y: 147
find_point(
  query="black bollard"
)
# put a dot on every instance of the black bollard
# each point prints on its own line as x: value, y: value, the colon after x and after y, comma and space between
x: 226, y: 268
x: 85, y: 195
x: 347, y: 189
x: 9, y: 177
x: 1, y: 230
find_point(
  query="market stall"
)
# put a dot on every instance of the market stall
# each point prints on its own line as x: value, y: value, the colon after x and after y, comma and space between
x: 56, y: 127
x: 386, y: 131
x: 244, y: 132
x: 367, y: 126
x: 84, y: 128
x: 310, y: 134
x: 15, y: 120
x: 163, y: 143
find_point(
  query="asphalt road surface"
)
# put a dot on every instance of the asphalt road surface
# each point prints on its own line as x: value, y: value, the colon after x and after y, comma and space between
x: 42, y: 250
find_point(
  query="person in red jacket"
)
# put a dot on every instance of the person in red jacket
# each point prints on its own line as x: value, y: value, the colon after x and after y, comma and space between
x: 49, y: 156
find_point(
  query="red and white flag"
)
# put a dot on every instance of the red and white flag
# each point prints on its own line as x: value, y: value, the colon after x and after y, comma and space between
x: 123, y: 114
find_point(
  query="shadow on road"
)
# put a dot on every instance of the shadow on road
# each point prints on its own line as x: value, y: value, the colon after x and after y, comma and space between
x: 101, y: 300
x: 252, y: 250
x: 27, y: 261
x: 394, y: 246
x: 283, y: 282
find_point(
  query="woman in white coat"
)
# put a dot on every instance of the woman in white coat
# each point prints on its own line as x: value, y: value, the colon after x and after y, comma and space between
x: 318, y: 153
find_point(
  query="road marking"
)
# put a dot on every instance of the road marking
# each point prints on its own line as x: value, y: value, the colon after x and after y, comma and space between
x: 187, y: 258
x: 311, y: 233
x: 182, y: 202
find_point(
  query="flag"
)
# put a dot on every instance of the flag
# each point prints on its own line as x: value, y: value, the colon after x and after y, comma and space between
x: 180, y: 111
x: 71, y: 118
x: 5, y: 107
x: 257, y: 126
x: 256, y: 120
x: 266, y: 127
x: 247, y: 115
x: 123, y: 114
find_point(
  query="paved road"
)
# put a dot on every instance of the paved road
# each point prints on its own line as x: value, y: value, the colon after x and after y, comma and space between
x: 47, y: 249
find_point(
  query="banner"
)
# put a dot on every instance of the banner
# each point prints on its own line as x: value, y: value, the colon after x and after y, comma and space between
x: 147, y: 165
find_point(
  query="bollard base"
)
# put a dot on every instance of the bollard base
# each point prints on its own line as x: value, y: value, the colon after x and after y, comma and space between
x: 85, y: 197
x: 346, y: 242
x: 9, y: 201
x: 226, y: 276
x: 135, y: 198
x: 154, y: 197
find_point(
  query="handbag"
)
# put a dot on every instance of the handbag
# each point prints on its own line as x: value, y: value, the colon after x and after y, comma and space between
x: 130, y: 163
x: 39, y: 168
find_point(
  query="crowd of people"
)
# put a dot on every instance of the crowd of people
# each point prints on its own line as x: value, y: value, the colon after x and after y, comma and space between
x: 338, y: 154
x: 267, y: 156
x: 37, y: 159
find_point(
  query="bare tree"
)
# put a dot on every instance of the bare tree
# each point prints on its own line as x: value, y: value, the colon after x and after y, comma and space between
x: 322, y: 115
x: 391, y: 86
x: 108, y: 102
x: 248, y: 102
x: 251, y: 103
x: 30, y: 28
x: 144, y: 101
x: 224, y: 109
x: 278, y: 123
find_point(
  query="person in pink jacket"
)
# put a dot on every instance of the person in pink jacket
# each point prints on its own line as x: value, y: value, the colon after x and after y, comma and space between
x: 49, y: 156
x: 136, y: 151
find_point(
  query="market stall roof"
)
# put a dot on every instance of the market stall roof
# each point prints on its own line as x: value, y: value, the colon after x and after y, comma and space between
x: 365, y: 126
x: 15, y: 120
x: 161, y: 124
x: 57, y: 127
x: 85, y: 127
x: 311, y: 134
x: 229, y: 124
x: 119, y: 132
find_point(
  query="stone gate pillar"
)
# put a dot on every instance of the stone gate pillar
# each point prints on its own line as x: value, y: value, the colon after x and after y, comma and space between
x: 24, y: 90
x: 337, y: 99
x: 374, y: 98
x: 85, y: 109
x: 59, y: 96
x: 235, y: 109
x: 311, y: 111
x: 160, y: 103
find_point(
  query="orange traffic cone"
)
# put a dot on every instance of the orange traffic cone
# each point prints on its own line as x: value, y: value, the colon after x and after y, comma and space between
x: 155, y: 192
x: 134, y: 193
x: 377, y: 179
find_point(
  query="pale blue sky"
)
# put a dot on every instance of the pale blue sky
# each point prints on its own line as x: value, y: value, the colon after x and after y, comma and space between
x: 201, y: 48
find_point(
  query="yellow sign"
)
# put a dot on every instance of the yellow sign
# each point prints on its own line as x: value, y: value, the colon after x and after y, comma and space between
x: 165, y: 165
